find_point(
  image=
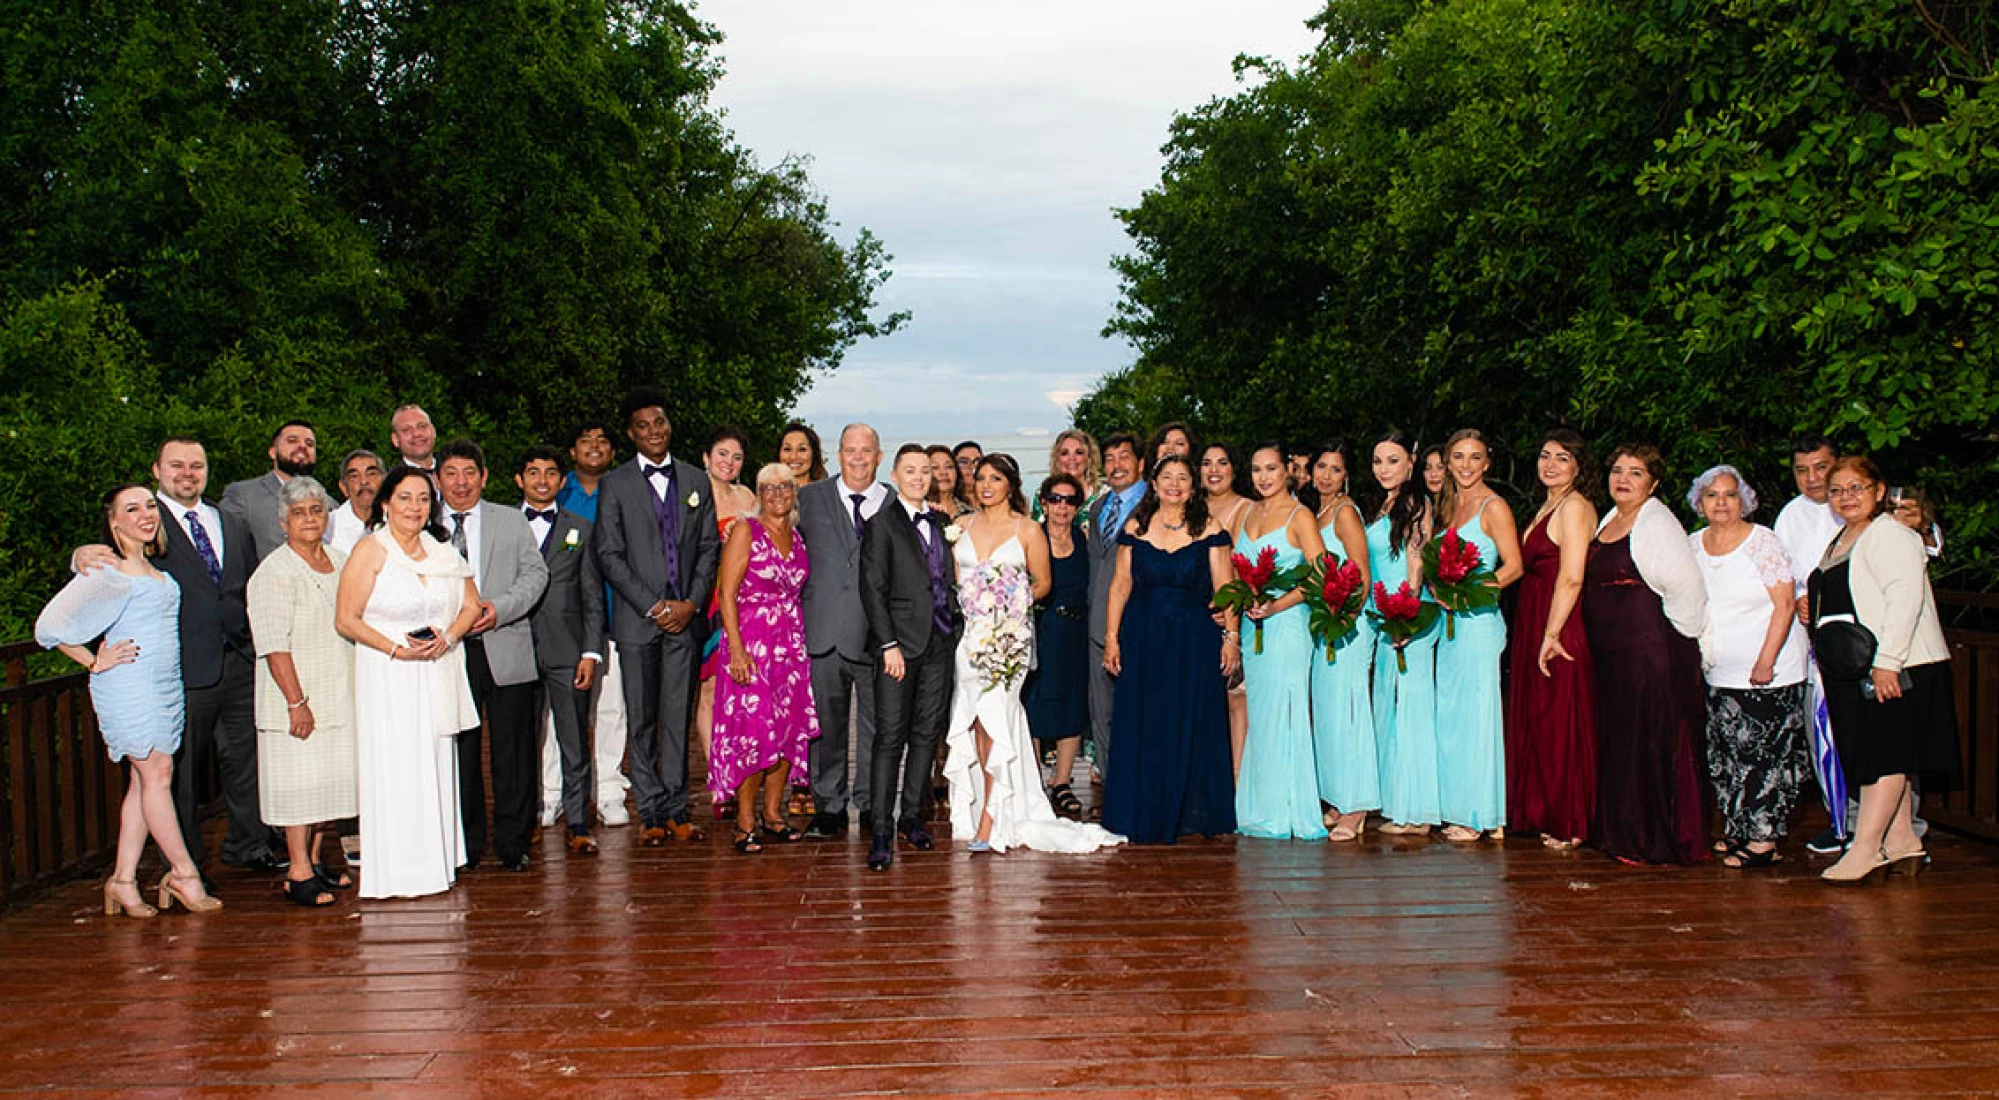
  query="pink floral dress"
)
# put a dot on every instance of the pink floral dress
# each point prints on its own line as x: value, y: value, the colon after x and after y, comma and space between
x: 771, y: 718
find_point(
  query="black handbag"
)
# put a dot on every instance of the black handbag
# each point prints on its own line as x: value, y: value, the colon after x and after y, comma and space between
x: 1844, y: 649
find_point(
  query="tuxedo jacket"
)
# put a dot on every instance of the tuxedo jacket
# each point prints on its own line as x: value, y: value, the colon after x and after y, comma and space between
x: 255, y: 503
x: 631, y: 557
x: 569, y: 619
x: 895, y: 582
x: 213, y: 618
x: 834, y: 621
x: 512, y: 577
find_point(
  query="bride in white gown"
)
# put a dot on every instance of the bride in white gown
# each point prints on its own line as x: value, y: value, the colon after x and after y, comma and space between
x: 996, y: 794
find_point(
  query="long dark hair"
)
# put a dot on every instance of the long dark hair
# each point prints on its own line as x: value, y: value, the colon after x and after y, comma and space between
x: 1309, y: 492
x: 1238, y: 469
x: 816, y: 471
x: 1197, y: 501
x: 397, y: 476
x: 1405, y: 514
x: 154, y: 548
x: 1283, y: 462
x: 1008, y: 469
x: 1158, y: 440
x: 1588, y: 483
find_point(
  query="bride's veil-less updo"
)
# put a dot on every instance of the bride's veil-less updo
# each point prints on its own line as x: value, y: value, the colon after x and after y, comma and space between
x: 1008, y: 469
x: 1197, y: 501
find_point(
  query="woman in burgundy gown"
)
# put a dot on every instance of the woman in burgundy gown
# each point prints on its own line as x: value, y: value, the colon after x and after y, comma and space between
x: 1644, y: 604
x: 1551, y: 709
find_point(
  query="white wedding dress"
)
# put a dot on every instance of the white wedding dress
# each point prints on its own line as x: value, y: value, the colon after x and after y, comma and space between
x: 1022, y: 817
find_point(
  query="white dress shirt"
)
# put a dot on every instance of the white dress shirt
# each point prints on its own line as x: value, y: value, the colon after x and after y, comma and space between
x: 916, y: 511
x: 872, y: 499
x: 656, y: 484
x: 211, y: 522
x: 471, y: 540
x: 344, y: 528
x: 539, y: 526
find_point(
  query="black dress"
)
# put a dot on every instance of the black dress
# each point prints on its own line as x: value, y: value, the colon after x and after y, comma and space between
x: 1171, y: 772
x: 1058, y: 696
x: 1914, y: 735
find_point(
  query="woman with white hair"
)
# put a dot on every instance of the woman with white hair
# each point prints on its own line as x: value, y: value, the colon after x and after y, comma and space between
x: 307, y: 757
x: 1753, y: 658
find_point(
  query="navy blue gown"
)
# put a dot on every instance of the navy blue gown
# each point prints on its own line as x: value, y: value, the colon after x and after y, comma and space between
x: 1058, y: 697
x: 1170, y: 771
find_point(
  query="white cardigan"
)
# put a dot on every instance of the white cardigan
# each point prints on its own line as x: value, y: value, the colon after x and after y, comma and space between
x: 1891, y: 596
x: 1665, y: 561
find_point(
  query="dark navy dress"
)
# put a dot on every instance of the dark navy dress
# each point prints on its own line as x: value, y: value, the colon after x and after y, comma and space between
x: 1058, y: 697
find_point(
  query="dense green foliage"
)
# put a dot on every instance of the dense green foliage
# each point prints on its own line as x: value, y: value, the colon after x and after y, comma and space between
x: 219, y: 214
x: 1708, y: 224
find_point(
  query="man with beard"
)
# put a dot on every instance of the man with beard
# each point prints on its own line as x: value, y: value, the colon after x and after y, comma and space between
x: 294, y: 451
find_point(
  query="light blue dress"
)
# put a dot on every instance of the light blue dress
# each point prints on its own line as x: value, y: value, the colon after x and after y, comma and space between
x: 1471, y: 718
x: 1343, y: 715
x: 1276, y: 795
x: 1405, y: 703
x: 140, y: 706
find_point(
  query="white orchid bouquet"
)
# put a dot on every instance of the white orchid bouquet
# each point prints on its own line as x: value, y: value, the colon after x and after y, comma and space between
x: 996, y: 599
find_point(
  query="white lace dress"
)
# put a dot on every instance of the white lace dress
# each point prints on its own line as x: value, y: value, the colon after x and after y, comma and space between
x: 997, y: 599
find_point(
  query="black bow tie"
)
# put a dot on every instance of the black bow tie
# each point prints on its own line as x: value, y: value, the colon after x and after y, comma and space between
x: 662, y: 471
x: 933, y: 518
x: 536, y: 513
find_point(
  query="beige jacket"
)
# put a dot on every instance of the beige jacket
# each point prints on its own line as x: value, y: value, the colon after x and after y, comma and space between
x: 1892, y: 598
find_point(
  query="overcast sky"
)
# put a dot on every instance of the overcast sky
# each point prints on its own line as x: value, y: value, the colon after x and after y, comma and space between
x: 985, y: 144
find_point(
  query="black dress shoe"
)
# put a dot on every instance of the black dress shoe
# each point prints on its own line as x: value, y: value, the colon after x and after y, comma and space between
x: 265, y: 864
x: 516, y: 862
x: 882, y: 852
x: 919, y: 837
x: 825, y: 825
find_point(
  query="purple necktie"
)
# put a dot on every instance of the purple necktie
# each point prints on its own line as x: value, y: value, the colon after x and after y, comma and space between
x: 860, y: 524
x: 664, y: 507
x: 204, y: 547
x: 940, y: 590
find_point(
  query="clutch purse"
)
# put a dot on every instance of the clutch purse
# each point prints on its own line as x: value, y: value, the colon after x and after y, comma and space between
x: 1844, y: 649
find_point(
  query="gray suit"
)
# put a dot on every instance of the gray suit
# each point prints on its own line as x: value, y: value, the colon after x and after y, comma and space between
x: 658, y: 668
x: 836, y: 634
x: 501, y: 665
x: 568, y: 622
x: 255, y: 502
x: 1103, y: 549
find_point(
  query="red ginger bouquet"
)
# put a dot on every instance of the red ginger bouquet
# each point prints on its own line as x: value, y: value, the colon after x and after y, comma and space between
x: 1401, y: 616
x: 1257, y: 582
x: 1335, y: 593
x: 1459, y: 577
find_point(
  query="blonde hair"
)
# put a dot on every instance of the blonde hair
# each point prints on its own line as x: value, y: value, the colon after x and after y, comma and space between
x: 1447, y: 498
x: 1093, y: 470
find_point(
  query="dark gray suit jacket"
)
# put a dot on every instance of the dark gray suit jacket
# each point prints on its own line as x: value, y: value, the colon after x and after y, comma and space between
x: 569, y: 620
x: 213, y: 618
x: 255, y: 503
x: 895, y: 583
x: 1103, y: 565
x: 630, y: 556
x: 834, y: 621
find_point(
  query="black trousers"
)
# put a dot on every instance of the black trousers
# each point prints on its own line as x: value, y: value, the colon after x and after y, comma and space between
x: 511, y: 714
x: 222, y: 727
x: 910, y: 714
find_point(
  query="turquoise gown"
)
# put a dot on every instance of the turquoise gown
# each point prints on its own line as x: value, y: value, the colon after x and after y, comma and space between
x: 1405, y: 703
x: 1343, y: 715
x: 1276, y: 795
x: 1471, y: 718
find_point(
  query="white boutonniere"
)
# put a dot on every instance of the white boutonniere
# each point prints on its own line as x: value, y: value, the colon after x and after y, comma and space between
x: 953, y: 532
x: 694, y: 499
x: 573, y: 539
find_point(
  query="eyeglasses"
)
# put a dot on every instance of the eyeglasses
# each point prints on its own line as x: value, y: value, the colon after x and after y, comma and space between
x: 1853, y: 490
x: 1069, y: 499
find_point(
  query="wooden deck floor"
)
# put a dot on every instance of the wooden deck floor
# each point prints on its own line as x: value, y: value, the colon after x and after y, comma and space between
x: 1232, y: 967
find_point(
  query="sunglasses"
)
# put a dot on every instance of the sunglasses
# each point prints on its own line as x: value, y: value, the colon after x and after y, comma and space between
x: 1069, y: 499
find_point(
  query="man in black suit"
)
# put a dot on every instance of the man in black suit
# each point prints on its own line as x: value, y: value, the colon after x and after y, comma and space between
x: 909, y: 594
x: 568, y: 631
x: 658, y: 546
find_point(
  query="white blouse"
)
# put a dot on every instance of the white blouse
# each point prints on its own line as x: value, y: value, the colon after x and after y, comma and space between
x: 1738, y: 610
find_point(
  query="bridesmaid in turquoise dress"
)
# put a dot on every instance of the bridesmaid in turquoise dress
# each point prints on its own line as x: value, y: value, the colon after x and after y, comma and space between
x: 1471, y: 718
x: 1342, y: 712
x: 1277, y: 795
x: 1405, y: 703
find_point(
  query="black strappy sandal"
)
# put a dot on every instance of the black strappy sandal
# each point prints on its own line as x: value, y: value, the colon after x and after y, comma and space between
x: 781, y: 833
x: 1065, y: 802
x: 746, y: 842
x: 1746, y: 859
x: 331, y: 877
x: 308, y: 892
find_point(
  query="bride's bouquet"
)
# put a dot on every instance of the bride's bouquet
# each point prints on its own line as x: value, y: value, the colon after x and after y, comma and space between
x: 996, y: 600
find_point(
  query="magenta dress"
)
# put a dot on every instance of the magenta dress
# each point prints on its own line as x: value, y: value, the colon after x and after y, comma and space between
x: 771, y: 718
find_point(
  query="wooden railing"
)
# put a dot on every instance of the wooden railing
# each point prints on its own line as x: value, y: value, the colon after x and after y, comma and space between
x: 1972, y: 628
x: 60, y: 817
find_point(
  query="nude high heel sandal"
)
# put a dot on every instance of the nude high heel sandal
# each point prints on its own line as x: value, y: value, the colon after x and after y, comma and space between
x: 170, y: 892
x: 114, y: 906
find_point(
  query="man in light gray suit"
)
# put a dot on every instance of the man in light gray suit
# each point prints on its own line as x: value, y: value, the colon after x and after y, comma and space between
x: 657, y: 545
x: 499, y: 657
x: 568, y: 631
x: 294, y: 451
x: 1121, y: 472
x: 833, y: 514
